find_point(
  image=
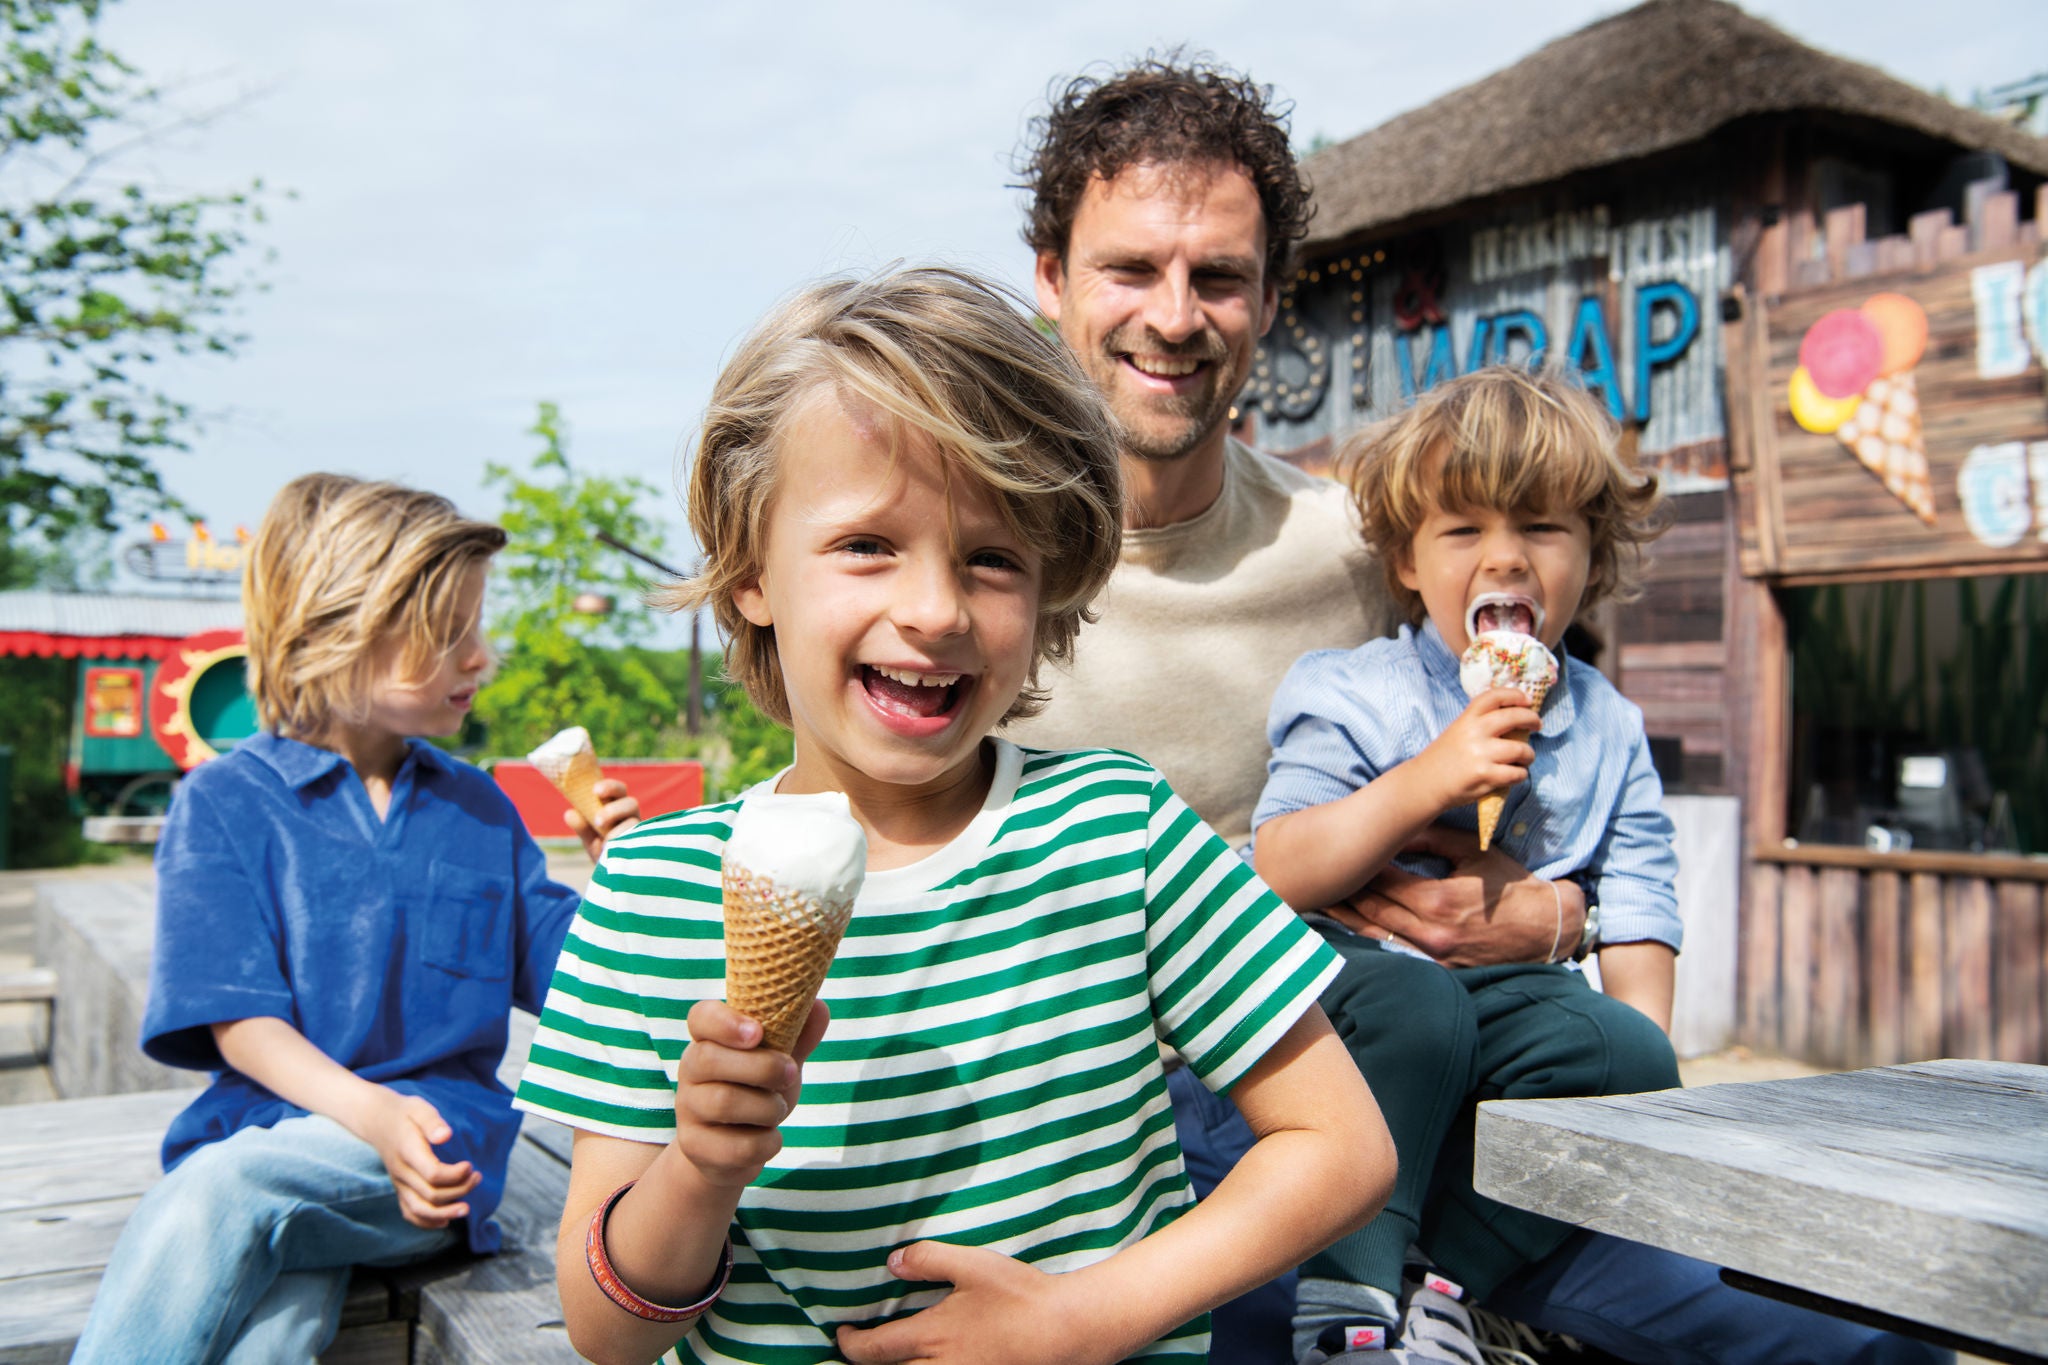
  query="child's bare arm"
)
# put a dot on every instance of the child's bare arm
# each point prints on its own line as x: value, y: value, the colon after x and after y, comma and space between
x: 1319, y: 855
x: 665, y: 1235
x: 1643, y: 975
x: 1323, y: 1166
x: 403, y: 1128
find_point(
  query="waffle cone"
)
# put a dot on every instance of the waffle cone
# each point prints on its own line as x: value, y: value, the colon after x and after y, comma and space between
x: 576, y: 777
x: 1494, y: 802
x: 1886, y: 436
x: 778, y: 947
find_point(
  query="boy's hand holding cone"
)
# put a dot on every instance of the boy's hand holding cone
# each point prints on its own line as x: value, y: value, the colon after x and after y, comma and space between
x: 1505, y: 658
x: 793, y: 868
x: 569, y: 761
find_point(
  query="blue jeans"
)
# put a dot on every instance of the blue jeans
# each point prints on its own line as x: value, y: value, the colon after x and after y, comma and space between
x: 242, y: 1253
x: 1635, y: 1302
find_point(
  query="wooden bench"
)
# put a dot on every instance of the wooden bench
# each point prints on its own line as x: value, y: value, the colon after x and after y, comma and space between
x: 72, y: 1170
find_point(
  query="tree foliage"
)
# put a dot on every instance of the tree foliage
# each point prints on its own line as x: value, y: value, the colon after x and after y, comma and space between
x: 100, y: 278
x: 558, y: 667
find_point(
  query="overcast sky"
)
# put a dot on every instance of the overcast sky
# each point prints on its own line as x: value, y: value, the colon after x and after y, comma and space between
x: 499, y: 203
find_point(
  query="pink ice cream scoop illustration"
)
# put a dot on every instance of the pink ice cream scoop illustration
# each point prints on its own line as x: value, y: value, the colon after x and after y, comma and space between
x: 1505, y: 653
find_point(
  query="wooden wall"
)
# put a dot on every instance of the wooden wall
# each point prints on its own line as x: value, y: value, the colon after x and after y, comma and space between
x: 1674, y: 653
x: 1903, y: 959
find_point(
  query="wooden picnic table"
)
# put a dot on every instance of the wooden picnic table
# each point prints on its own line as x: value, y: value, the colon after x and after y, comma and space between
x: 1914, y: 1197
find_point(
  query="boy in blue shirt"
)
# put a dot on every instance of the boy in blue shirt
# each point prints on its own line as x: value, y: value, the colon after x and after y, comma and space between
x: 346, y: 917
x: 1501, y: 494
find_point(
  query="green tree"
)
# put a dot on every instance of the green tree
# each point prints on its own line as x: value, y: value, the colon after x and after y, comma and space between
x: 100, y: 278
x: 558, y: 666
x: 739, y: 746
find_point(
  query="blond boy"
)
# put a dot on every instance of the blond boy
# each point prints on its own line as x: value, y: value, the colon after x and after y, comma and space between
x: 906, y: 496
x: 346, y: 917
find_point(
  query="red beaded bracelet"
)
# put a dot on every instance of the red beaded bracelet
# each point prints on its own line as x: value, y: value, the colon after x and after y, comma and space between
x: 615, y: 1289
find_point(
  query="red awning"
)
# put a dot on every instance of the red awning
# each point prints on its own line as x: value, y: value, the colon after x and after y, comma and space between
x: 36, y: 644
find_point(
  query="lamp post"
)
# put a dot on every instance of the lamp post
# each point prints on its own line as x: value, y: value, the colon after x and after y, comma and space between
x: 693, y: 713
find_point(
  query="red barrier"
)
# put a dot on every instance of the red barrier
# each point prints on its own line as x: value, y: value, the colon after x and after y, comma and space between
x: 661, y: 784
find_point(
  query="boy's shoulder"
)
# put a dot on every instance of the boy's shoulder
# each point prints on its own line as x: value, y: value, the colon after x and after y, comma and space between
x: 1052, y: 774
x: 1382, y: 669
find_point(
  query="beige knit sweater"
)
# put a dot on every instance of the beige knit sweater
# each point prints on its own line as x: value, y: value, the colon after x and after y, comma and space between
x: 1200, y: 622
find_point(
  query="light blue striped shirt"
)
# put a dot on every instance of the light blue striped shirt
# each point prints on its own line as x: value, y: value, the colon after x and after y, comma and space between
x: 1592, y: 803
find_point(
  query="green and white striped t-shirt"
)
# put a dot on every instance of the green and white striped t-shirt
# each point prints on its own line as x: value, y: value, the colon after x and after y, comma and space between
x: 991, y: 1075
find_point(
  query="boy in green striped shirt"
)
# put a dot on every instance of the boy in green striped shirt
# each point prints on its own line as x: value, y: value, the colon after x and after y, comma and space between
x: 907, y: 496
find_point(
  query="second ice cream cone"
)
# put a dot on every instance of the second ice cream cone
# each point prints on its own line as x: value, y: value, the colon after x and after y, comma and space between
x: 778, y: 946
x: 1494, y: 802
x: 570, y: 763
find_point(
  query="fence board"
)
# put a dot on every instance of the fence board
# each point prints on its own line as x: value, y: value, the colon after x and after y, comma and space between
x: 1837, y: 968
x: 1800, y: 910
x: 1760, y: 925
x: 2018, y: 1030
x: 1966, y: 1007
x: 1923, y: 969
x: 1881, y: 958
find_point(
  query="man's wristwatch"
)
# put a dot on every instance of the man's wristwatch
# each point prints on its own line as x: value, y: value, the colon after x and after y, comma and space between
x: 1589, y: 941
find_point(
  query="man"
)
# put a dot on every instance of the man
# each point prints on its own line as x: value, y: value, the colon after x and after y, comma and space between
x: 1166, y: 202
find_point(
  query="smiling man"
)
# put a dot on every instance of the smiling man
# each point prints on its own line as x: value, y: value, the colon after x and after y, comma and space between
x: 1165, y: 204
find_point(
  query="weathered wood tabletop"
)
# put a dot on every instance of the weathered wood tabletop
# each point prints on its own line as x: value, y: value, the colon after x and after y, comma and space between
x: 1918, y: 1191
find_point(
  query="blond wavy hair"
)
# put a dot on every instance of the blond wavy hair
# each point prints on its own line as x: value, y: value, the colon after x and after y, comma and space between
x: 1505, y: 439
x: 937, y: 354
x: 339, y: 567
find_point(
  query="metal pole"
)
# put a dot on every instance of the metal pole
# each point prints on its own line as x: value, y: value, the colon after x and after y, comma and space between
x: 693, y: 711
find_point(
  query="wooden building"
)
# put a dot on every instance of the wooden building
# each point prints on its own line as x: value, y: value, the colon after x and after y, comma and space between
x: 1693, y: 210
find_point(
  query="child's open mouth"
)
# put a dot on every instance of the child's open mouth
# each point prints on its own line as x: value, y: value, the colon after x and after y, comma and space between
x: 910, y: 696
x: 1502, y: 611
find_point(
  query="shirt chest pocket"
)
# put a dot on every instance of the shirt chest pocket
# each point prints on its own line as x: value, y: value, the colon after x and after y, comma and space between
x: 465, y: 923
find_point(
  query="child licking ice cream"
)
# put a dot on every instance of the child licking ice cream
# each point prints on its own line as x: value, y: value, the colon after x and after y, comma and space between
x: 1501, y: 508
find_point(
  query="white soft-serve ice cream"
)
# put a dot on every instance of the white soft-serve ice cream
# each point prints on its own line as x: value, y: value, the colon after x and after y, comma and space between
x: 793, y: 868
x: 569, y: 761
x: 1504, y: 658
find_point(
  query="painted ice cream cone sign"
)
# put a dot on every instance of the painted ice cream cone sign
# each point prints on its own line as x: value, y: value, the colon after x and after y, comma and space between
x: 1855, y: 382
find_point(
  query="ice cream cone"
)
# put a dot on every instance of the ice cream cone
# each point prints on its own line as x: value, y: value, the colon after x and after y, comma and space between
x: 793, y: 867
x: 1494, y: 802
x: 778, y: 946
x: 570, y: 763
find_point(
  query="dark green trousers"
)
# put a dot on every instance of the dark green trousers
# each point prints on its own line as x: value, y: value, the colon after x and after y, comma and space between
x: 1433, y: 1042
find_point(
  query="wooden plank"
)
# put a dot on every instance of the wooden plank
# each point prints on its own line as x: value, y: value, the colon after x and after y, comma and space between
x: 504, y: 1308
x: 1769, y: 268
x: 2018, y: 1032
x: 1991, y: 867
x: 1952, y: 244
x: 1801, y: 910
x: 1925, y: 231
x: 1838, y: 969
x: 1881, y: 957
x: 1977, y: 197
x: 40, y: 1318
x: 1923, y: 968
x: 1998, y: 223
x: 34, y: 985
x: 1759, y: 959
x: 1849, y: 1185
x: 1844, y: 229
x: 1967, y: 1005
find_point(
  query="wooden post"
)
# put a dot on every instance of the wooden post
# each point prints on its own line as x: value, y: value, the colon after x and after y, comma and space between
x: 1882, y: 944
x: 1923, y: 970
x: 1796, y: 924
x: 2018, y: 984
x: 1966, y: 1012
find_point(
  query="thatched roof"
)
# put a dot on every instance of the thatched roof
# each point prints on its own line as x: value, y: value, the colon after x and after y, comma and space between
x: 1657, y: 77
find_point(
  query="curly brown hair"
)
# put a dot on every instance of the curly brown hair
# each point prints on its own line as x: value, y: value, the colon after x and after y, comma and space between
x: 1166, y: 110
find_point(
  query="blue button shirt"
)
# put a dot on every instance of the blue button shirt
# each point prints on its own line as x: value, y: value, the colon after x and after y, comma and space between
x: 1592, y: 803
x: 398, y: 947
